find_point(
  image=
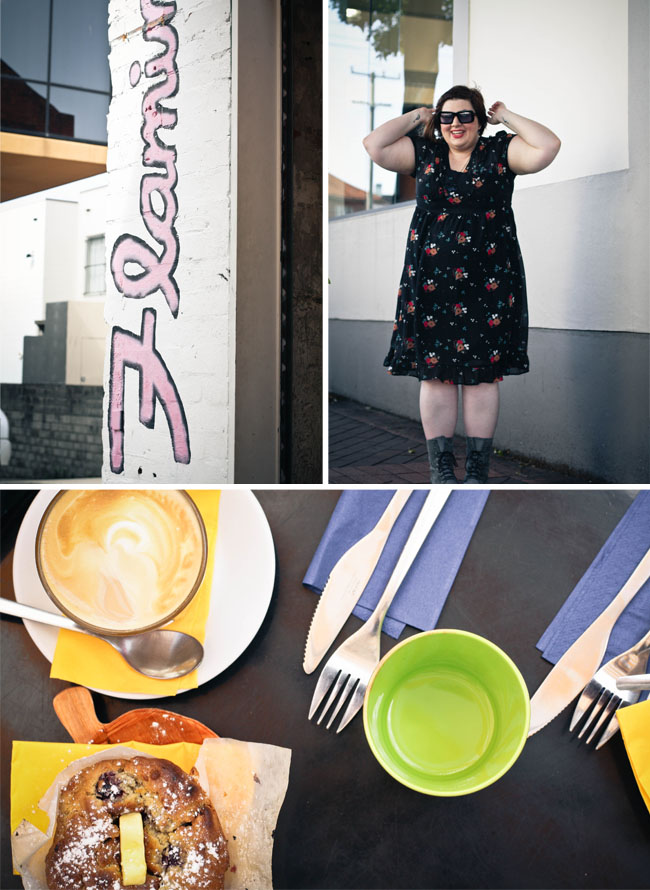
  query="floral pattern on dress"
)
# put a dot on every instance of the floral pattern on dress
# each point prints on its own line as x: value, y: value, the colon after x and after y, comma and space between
x: 461, y: 310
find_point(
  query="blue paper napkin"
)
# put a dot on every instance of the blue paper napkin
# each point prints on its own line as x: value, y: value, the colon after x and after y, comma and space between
x: 424, y: 590
x: 609, y: 571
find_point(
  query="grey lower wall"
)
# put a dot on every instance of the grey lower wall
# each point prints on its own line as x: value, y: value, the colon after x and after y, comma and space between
x: 55, y: 431
x: 44, y: 356
x: 585, y: 405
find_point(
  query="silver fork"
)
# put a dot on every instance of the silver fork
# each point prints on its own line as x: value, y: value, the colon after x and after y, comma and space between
x: 349, y: 668
x: 606, y: 697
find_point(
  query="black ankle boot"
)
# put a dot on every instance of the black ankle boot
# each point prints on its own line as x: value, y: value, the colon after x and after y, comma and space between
x: 441, y: 461
x: 477, y: 464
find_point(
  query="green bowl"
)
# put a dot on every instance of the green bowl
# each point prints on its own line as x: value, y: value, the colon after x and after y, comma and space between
x: 446, y: 712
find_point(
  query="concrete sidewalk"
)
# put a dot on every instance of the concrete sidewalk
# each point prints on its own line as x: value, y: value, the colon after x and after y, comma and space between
x: 368, y: 446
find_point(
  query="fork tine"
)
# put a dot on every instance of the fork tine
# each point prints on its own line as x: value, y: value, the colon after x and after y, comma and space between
x: 325, y: 680
x: 595, y: 712
x: 607, y: 712
x: 612, y: 727
x: 354, y: 705
x: 352, y: 682
x: 334, y: 691
x: 588, y: 697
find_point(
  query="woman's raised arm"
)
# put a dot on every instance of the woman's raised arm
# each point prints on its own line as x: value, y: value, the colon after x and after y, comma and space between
x: 388, y: 144
x: 534, y: 146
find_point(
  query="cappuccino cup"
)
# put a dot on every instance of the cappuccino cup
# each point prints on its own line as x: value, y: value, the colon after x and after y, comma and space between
x: 121, y: 561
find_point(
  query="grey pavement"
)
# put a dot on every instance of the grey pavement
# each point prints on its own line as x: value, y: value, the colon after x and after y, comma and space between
x: 372, y: 447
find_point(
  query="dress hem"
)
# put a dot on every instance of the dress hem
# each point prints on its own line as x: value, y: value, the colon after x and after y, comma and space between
x: 464, y: 377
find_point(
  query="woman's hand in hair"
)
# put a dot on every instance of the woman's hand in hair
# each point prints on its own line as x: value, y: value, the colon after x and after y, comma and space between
x: 422, y: 115
x: 534, y: 146
x: 496, y: 112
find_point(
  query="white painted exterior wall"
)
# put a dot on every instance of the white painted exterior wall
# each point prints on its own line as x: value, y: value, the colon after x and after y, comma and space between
x: 60, y: 251
x: 22, y: 260
x: 565, y: 64
x: 586, y: 257
x: 42, y: 259
x: 197, y: 346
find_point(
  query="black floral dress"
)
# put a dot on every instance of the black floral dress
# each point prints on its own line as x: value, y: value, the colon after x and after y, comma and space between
x: 461, y: 310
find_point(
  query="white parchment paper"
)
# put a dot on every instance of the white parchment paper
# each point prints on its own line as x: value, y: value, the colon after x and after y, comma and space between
x: 245, y: 781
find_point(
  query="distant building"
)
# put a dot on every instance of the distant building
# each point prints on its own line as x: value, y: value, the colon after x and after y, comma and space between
x: 53, y: 274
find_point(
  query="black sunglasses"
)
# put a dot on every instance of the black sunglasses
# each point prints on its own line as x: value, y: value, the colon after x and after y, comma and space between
x: 465, y: 117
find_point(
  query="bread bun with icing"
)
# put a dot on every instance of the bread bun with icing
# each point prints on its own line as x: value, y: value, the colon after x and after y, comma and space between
x: 184, y: 845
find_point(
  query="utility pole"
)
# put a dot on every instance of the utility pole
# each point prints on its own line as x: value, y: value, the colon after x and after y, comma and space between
x: 373, y: 76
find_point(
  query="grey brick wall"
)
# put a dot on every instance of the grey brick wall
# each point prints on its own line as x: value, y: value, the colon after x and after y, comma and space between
x: 55, y: 430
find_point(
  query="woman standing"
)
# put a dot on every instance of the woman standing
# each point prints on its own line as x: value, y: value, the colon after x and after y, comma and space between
x: 461, y: 318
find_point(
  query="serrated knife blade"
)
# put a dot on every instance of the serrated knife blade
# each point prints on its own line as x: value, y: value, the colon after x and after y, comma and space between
x: 582, y: 659
x: 346, y: 583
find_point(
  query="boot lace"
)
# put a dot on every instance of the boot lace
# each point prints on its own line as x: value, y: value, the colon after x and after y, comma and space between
x: 477, y: 465
x: 446, y: 464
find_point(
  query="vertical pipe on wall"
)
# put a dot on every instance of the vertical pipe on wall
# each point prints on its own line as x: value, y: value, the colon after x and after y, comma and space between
x: 460, y: 37
x: 286, y: 282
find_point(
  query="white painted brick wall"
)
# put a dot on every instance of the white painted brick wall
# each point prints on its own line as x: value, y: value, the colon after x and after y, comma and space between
x: 197, y: 346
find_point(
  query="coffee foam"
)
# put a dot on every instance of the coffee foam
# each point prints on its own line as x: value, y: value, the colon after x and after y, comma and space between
x: 121, y: 560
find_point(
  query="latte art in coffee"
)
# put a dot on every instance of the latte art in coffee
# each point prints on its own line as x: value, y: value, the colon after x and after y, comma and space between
x: 121, y: 560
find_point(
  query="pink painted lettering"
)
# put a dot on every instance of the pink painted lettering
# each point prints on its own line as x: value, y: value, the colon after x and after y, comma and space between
x: 156, y: 383
x: 138, y: 269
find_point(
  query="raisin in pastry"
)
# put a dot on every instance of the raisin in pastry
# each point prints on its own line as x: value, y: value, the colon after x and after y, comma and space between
x: 184, y: 846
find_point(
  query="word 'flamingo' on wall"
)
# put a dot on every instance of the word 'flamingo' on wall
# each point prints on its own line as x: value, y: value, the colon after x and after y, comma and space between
x: 155, y: 271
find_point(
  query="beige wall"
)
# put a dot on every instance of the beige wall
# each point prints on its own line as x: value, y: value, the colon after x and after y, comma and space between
x: 256, y: 194
x: 85, y: 343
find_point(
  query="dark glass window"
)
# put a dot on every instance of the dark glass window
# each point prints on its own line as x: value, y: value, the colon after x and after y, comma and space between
x: 24, y: 37
x: 85, y: 112
x: 55, y: 73
x: 80, y: 44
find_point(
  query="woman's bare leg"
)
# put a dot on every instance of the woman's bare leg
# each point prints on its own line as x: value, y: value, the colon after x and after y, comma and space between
x: 481, y: 409
x: 438, y: 408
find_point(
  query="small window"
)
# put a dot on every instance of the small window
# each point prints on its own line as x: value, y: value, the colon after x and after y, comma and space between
x: 95, y: 266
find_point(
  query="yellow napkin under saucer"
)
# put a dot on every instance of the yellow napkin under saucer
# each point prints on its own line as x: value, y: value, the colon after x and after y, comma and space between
x: 90, y: 662
x: 635, y: 729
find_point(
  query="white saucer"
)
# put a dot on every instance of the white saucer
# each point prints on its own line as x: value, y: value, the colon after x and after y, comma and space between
x: 242, y: 582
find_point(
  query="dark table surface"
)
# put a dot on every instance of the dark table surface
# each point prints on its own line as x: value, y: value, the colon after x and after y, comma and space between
x: 563, y: 816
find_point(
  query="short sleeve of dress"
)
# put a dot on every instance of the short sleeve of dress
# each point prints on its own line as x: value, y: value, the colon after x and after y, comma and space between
x: 420, y: 146
x: 499, y: 144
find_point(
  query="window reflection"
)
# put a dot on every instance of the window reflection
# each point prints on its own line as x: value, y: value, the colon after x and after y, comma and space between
x: 55, y: 73
x: 80, y: 44
x: 386, y: 57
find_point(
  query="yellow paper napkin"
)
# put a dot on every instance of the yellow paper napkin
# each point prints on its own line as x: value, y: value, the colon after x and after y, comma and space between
x: 635, y: 729
x: 87, y: 661
x: 35, y: 765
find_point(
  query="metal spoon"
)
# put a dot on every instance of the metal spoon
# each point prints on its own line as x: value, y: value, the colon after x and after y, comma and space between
x: 162, y: 654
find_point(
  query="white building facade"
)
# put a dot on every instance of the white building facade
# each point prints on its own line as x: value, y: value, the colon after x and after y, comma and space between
x: 53, y: 262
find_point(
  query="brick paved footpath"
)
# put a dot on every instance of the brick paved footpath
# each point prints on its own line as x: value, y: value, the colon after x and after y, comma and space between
x: 368, y: 446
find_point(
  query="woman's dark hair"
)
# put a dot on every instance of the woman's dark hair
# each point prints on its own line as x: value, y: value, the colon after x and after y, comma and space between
x: 432, y: 129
